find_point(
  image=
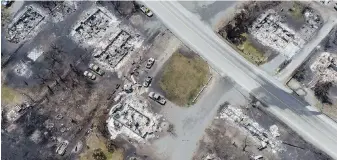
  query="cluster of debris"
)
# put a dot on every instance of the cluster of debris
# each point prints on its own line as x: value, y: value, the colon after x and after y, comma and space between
x: 50, y: 125
x: 112, y: 40
x: 25, y: 24
x: 22, y: 69
x: 326, y: 67
x: 212, y: 156
x: 264, y: 136
x: 132, y: 117
x: 36, y: 136
x: 94, y: 25
x: 97, y: 23
x: 116, y: 50
x: 270, y: 31
x: 313, y: 22
x: 18, y: 110
x: 61, y: 9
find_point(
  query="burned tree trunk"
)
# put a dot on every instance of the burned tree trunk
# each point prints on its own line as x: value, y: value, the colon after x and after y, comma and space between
x: 50, y: 90
x: 321, y: 92
x: 245, y: 144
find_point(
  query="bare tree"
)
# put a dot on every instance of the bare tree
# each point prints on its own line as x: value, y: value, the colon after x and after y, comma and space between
x: 99, y: 154
x: 43, y: 80
x: 300, y: 74
x: 245, y: 144
x: 73, y: 68
x: 321, y: 91
x: 49, y: 5
x: 57, y: 75
x: 111, y: 146
x: 171, y: 130
x: 50, y: 90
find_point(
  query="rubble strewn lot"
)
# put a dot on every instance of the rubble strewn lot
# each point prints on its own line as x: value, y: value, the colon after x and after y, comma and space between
x: 111, y: 38
x: 271, y: 32
x: 263, y: 136
x: 133, y: 118
x: 58, y: 10
x: 64, y: 113
x: 51, y: 110
x: 24, y: 24
x: 316, y: 79
x: 244, y: 132
x: 183, y: 77
x: 97, y: 22
x: 119, y: 46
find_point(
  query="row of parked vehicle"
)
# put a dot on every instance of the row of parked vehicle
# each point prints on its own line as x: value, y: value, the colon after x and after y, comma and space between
x: 154, y: 96
x: 95, y: 69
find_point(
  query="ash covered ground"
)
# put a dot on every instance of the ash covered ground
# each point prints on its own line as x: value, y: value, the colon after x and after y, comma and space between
x: 51, y: 109
x: 246, y: 132
x: 44, y: 55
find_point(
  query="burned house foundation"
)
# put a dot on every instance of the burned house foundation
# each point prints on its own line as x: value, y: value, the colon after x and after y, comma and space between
x: 30, y: 19
x: 97, y: 23
x: 116, y: 50
x: 132, y: 118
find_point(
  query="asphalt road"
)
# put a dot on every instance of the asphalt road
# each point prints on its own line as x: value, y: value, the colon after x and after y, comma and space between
x: 306, y: 121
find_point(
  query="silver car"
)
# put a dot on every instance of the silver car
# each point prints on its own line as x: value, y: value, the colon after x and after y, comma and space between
x: 158, y: 98
x: 147, y: 81
x: 150, y: 63
x: 89, y: 75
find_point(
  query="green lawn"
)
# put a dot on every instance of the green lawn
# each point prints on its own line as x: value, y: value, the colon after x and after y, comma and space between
x: 296, y: 11
x: 9, y: 95
x: 183, y: 78
x: 94, y: 141
x: 250, y: 52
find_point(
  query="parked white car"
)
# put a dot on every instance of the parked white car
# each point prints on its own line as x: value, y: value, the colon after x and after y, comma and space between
x: 150, y: 63
x: 89, y: 75
x: 146, y: 10
x: 147, y: 81
x: 158, y: 98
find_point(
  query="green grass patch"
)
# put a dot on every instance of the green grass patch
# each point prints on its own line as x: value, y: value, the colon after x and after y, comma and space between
x: 183, y: 78
x: 296, y: 11
x: 250, y: 52
x: 95, y: 142
x: 9, y: 95
x: 5, y: 16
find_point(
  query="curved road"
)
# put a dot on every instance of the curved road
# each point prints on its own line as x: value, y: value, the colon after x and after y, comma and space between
x: 303, y: 119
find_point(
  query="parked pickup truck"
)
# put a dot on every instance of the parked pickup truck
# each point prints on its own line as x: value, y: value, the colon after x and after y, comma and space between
x: 61, y: 148
x: 158, y: 98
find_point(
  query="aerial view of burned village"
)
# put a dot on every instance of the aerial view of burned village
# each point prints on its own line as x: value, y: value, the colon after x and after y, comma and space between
x: 178, y: 80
